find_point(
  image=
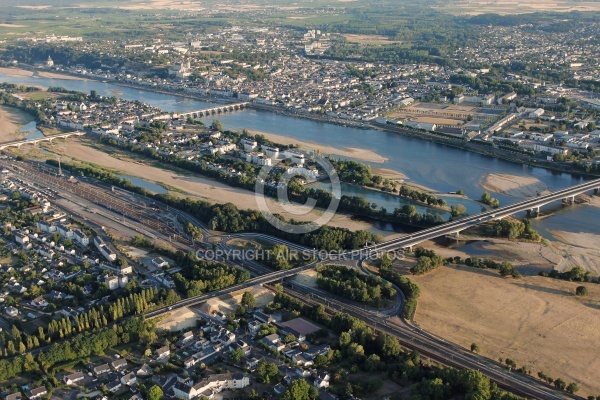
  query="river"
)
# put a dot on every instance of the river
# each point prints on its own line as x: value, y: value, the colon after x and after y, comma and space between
x: 439, y: 167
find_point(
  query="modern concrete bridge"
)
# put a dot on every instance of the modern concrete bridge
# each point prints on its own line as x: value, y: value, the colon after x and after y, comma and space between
x: 19, y: 143
x: 207, y: 112
x: 455, y: 227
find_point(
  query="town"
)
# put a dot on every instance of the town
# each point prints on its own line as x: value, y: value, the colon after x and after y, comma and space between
x: 168, y: 169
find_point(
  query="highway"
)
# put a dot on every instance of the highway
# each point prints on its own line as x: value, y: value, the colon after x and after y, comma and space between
x: 259, y: 280
x: 455, y: 227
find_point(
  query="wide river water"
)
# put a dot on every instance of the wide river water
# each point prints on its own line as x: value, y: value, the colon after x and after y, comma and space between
x: 439, y: 167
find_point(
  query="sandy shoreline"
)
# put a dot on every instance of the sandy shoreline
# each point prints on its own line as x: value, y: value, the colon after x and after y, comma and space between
x: 513, y: 185
x: 11, y: 121
x: 350, y: 152
x: 15, y: 72
x: 577, y: 249
x: 23, y: 73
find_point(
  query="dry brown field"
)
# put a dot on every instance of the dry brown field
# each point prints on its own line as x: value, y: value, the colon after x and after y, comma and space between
x: 509, y: 7
x: 536, y: 321
x: 439, y: 121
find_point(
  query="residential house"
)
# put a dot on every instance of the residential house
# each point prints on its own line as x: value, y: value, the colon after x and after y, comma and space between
x: 264, y: 318
x: 65, y: 231
x: 129, y: 379
x: 36, y: 393
x: 119, y: 364
x: 144, y: 370
x: 301, y: 360
x: 112, y: 282
x: 254, y: 327
x: 163, y: 352
x: 114, y: 386
x: 81, y: 238
x: 71, y: 379
x: 273, y: 341
x: 11, y: 311
x: 252, y: 363
x: 279, y: 389
x: 101, y: 369
x: 21, y: 238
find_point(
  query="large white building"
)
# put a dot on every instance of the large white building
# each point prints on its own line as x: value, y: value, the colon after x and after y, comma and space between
x: 536, y: 113
x: 207, y: 387
x: 104, y: 250
x: 248, y: 145
x: 258, y: 159
x: 271, y: 152
x: 297, y: 158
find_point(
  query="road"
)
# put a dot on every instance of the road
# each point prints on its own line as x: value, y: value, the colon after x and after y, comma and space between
x: 470, y: 221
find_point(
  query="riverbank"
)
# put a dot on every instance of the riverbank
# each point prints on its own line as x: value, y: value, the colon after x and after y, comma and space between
x: 357, y: 154
x: 27, y: 73
x: 11, y: 121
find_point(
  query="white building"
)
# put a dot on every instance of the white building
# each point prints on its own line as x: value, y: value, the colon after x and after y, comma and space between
x: 307, y: 173
x: 550, y: 149
x: 81, y: 238
x: 421, y: 125
x: 537, y: 113
x: 297, y: 158
x: 112, y: 282
x: 258, y: 159
x: 271, y: 152
x: 11, y: 311
x: 206, y: 387
x: 248, y: 145
x: 71, y: 379
x: 104, y: 250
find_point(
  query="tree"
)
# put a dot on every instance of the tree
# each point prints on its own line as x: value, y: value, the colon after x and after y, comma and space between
x: 248, y: 300
x: 299, y: 390
x: 457, y: 210
x: 510, y: 363
x: 155, y: 393
x: 560, y: 384
x: 289, y: 338
x: 581, y: 291
x: 474, y: 348
x: 372, y: 362
x: 216, y: 125
x: 240, y: 311
x: 236, y: 355
x: 477, y: 385
x: 572, y: 388
x: 266, y: 371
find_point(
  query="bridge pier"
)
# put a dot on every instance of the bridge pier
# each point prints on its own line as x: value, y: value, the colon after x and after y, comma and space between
x: 409, y: 248
x: 534, y: 212
x: 570, y: 200
x: 597, y: 190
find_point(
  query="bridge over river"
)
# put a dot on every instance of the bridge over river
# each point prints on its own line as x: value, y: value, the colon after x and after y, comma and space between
x: 19, y: 143
x: 207, y: 112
